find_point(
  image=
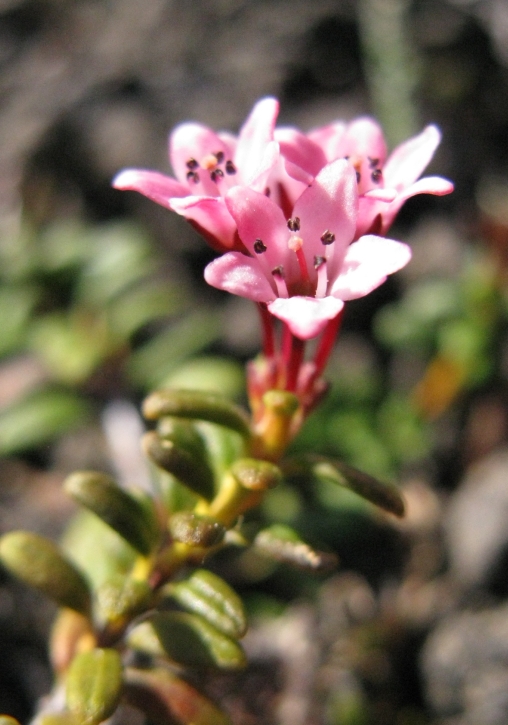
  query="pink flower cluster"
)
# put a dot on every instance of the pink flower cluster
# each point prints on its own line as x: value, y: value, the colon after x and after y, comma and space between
x: 299, y: 218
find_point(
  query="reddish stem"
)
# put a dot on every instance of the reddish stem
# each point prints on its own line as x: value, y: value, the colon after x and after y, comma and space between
x: 267, y: 330
x: 327, y: 342
x: 294, y: 362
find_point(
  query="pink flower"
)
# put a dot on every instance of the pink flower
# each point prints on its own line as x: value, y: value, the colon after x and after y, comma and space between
x: 305, y: 267
x: 384, y: 183
x: 207, y: 165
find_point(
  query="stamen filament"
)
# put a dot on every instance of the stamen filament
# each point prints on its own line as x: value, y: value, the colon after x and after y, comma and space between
x: 280, y: 282
x: 322, y: 276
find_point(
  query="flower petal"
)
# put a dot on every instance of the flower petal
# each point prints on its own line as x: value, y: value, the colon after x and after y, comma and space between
x: 364, y: 138
x: 255, y: 134
x: 367, y: 264
x: 306, y: 317
x: 195, y: 141
x: 329, y: 138
x: 240, y: 275
x: 211, y: 217
x: 300, y: 150
x: 328, y: 205
x: 258, y: 218
x: 155, y: 186
x: 409, y: 160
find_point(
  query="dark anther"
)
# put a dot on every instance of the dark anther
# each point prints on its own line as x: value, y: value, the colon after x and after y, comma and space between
x: 328, y: 237
x: 192, y: 164
x: 230, y: 167
x: 267, y: 191
x: 193, y: 176
x: 347, y: 158
x: 219, y: 156
x: 294, y: 224
x: 358, y: 176
x: 376, y: 176
x: 259, y: 246
x: 278, y: 271
x: 216, y: 174
x: 319, y: 261
x: 373, y: 162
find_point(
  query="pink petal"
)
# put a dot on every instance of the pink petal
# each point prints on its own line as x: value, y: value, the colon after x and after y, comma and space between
x: 381, y: 194
x: 306, y: 317
x: 210, y: 215
x: 300, y: 150
x: 428, y: 185
x: 367, y: 264
x: 155, y: 186
x: 268, y: 162
x: 239, y: 275
x: 255, y: 134
x: 194, y: 141
x: 364, y: 138
x: 328, y: 205
x: 329, y: 138
x: 409, y: 160
x: 258, y: 218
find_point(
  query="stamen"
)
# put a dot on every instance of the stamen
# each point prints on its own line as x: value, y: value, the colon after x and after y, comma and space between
x: 219, y: 156
x: 327, y: 237
x: 230, y: 167
x: 267, y: 191
x: 192, y: 164
x: 358, y: 177
x: 322, y: 276
x: 376, y: 176
x: 259, y: 246
x: 209, y: 162
x: 294, y: 224
x: 216, y: 174
x: 278, y: 276
x: 193, y: 176
x: 372, y: 162
x: 296, y: 245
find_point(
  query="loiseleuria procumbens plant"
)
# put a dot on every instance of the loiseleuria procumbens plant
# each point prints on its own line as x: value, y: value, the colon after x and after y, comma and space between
x: 299, y: 221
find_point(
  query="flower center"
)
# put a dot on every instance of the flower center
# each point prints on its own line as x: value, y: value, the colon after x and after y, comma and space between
x: 215, y: 164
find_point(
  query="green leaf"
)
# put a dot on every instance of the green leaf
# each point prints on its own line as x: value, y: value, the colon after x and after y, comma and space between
x: 191, y: 470
x: 384, y: 495
x: 135, y: 522
x: 189, y: 640
x: 207, y: 595
x: 94, y: 685
x: 283, y: 544
x: 189, y: 528
x: 120, y: 598
x: 199, y: 405
x: 39, y: 418
x: 40, y: 563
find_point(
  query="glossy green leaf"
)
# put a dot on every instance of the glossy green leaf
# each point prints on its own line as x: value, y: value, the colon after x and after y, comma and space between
x: 191, y: 470
x: 283, y: 544
x: 189, y: 640
x: 199, y: 405
x: 207, y: 595
x: 189, y: 528
x: 125, y: 514
x: 94, y: 685
x: 40, y: 563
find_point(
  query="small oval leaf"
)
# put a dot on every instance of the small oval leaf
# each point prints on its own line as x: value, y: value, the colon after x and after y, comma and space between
x: 189, y: 469
x: 283, y: 544
x: 94, y: 685
x: 207, y: 595
x: 197, y: 404
x: 40, y: 563
x: 124, y: 513
x: 192, y: 641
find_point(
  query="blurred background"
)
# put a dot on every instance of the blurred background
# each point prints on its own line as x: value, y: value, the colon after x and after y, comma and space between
x: 102, y: 299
